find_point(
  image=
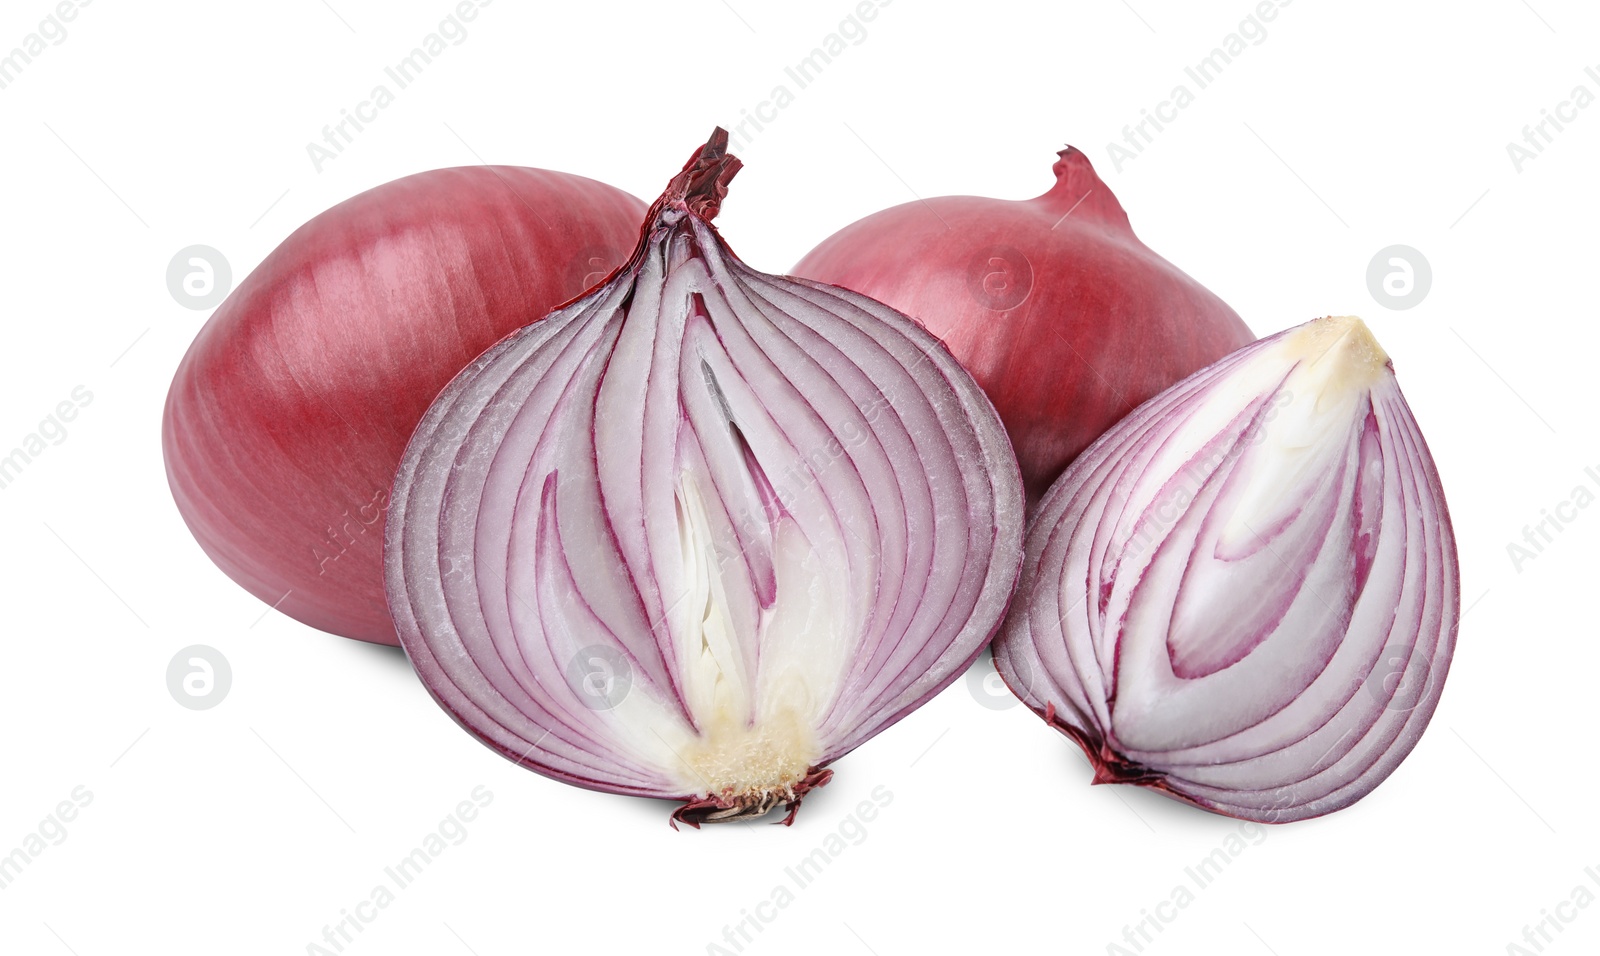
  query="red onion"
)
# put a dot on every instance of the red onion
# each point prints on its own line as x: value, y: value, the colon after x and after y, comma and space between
x: 1245, y: 594
x: 704, y: 531
x: 1064, y: 317
x: 290, y: 411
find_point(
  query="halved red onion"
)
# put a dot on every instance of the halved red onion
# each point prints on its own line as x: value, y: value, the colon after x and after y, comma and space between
x: 1245, y: 594
x: 703, y: 531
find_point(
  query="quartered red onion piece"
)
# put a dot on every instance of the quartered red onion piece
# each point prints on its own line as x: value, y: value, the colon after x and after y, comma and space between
x: 704, y: 531
x: 1244, y: 595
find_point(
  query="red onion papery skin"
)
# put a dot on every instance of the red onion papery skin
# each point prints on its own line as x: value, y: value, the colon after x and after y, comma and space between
x: 1064, y: 317
x: 1245, y: 594
x: 288, y: 415
x: 779, y: 514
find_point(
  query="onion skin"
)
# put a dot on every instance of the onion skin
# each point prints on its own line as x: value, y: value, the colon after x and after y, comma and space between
x: 778, y: 516
x: 288, y: 415
x: 1064, y: 317
x: 1245, y: 594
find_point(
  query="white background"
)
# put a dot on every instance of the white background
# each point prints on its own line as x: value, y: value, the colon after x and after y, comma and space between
x: 249, y: 827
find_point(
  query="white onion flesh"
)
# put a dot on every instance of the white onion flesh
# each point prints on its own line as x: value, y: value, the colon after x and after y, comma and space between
x: 1245, y: 594
x: 775, y: 516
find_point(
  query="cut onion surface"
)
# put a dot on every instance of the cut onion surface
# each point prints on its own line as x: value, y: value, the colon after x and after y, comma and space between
x: 704, y: 531
x: 1245, y: 594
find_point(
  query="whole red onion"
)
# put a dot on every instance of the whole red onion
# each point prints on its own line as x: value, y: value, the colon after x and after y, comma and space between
x: 290, y: 411
x: 1064, y: 317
